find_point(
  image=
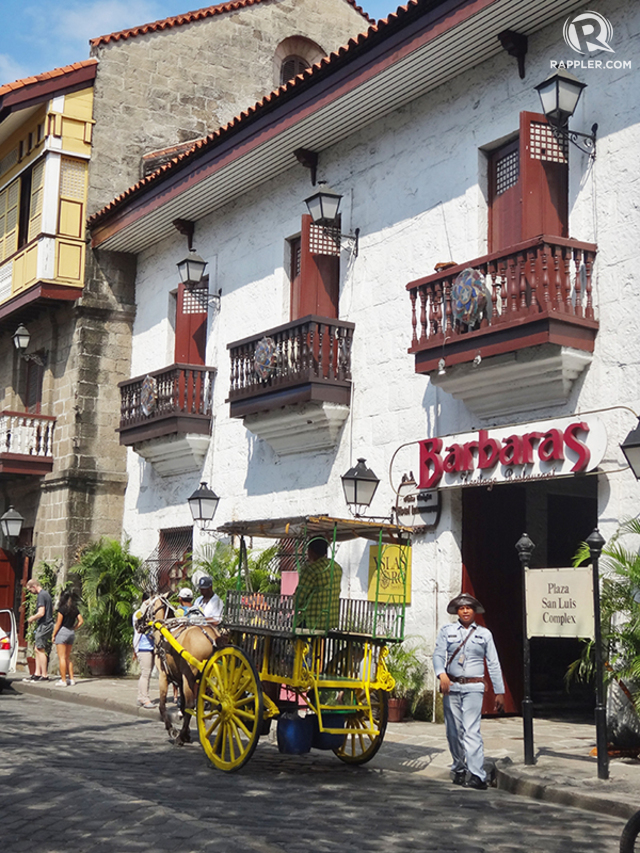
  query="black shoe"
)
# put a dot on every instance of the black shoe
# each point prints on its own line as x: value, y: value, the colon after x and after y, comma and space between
x: 459, y: 776
x: 476, y: 782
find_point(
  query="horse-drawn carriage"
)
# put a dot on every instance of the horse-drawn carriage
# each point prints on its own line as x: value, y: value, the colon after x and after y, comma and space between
x: 278, y: 656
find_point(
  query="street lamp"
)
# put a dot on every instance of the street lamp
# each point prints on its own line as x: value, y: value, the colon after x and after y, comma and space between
x: 191, y: 269
x: 11, y: 523
x: 559, y: 96
x: 323, y: 205
x: 21, y: 338
x: 203, y: 504
x: 359, y: 485
x: 631, y: 449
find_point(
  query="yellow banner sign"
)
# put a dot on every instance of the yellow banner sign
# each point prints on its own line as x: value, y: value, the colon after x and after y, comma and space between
x: 395, y: 569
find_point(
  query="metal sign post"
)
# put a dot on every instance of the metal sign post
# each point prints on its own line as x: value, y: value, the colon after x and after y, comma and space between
x: 596, y: 543
x: 524, y: 547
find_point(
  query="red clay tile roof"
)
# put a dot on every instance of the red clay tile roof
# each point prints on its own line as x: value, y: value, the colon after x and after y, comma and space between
x: 305, y: 80
x: 46, y: 75
x: 189, y: 18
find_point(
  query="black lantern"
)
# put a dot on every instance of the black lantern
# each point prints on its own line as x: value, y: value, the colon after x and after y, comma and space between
x: 21, y: 338
x: 631, y: 449
x: 11, y: 523
x: 203, y: 504
x: 323, y: 205
x: 359, y: 484
x: 191, y: 269
x: 559, y: 95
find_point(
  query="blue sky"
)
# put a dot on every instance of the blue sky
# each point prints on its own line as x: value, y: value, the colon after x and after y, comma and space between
x: 37, y: 35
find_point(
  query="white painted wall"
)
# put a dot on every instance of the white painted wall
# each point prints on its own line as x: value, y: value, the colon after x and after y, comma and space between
x: 414, y: 184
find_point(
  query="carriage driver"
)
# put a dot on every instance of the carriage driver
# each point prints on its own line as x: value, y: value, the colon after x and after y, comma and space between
x: 458, y: 661
x: 318, y: 592
x: 209, y: 603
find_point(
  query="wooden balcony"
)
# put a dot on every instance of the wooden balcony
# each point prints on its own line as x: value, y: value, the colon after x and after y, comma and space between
x: 292, y: 384
x: 311, y: 362
x: 166, y: 415
x: 26, y: 444
x: 537, y: 333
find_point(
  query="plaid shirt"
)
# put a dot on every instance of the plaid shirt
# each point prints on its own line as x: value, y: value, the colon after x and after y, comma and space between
x: 318, y: 595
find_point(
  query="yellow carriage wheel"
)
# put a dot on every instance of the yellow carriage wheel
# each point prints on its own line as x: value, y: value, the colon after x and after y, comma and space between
x: 229, y: 708
x: 359, y: 746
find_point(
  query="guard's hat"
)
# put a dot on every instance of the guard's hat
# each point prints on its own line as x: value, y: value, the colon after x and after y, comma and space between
x: 462, y: 600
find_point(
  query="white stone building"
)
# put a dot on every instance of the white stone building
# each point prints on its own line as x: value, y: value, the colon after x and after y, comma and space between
x: 430, y: 128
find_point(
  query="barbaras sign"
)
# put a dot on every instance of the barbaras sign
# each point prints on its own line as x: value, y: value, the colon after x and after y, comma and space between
x: 534, y: 451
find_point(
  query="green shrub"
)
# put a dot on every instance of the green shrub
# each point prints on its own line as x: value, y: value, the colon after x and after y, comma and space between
x: 112, y: 580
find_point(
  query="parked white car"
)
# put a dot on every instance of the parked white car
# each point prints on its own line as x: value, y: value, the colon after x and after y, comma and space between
x: 8, y: 645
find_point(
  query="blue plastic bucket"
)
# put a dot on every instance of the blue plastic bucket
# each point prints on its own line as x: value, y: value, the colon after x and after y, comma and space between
x: 294, y: 734
x: 325, y: 740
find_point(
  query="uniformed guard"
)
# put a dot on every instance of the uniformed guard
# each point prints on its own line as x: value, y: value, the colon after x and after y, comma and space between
x: 458, y: 661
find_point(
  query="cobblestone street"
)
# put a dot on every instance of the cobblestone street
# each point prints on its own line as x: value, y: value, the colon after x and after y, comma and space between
x: 77, y: 779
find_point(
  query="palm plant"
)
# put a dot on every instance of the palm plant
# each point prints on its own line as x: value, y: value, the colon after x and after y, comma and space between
x: 111, y: 580
x: 222, y: 563
x: 620, y: 613
x: 408, y: 671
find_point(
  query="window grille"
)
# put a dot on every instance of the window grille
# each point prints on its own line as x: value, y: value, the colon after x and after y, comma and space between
x: 507, y: 171
x: 8, y: 161
x: 195, y: 300
x: 167, y: 564
x: 324, y: 240
x: 72, y: 178
x: 545, y: 146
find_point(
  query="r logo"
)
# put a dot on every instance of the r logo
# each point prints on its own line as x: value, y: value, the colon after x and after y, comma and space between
x: 587, y: 32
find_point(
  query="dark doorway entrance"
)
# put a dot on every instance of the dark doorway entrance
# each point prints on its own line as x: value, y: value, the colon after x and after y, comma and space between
x: 557, y: 515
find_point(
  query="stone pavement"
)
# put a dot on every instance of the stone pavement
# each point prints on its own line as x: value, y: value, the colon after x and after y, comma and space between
x: 565, y: 772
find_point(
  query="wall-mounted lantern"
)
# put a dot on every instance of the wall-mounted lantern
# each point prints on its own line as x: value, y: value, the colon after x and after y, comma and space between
x: 203, y: 504
x: 559, y: 95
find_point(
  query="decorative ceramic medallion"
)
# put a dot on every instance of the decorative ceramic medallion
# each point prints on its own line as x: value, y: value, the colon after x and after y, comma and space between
x: 264, y: 359
x: 468, y: 297
x: 148, y: 395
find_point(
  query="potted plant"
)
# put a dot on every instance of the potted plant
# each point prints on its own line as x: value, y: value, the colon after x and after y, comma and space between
x: 111, y: 581
x: 620, y: 619
x: 407, y: 669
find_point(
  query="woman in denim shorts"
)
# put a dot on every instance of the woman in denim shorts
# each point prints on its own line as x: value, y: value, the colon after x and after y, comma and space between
x: 69, y: 619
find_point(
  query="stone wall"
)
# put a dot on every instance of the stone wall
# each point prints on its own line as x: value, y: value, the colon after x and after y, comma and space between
x: 186, y: 81
x: 82, y: 499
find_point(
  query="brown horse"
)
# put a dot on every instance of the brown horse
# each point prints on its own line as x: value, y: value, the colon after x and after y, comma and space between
x: 198, y: 638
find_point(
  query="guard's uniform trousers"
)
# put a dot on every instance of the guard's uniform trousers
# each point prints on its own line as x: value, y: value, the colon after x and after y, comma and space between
x: 463, y: 704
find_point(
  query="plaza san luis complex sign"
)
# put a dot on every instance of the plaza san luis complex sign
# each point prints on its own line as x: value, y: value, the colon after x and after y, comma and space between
x: 552, y: 448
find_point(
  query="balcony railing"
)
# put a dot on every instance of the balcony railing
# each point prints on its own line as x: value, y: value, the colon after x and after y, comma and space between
x: 176, y: 399
x: 538, y: 291
x: 26, y: 443
x: 307, y: 359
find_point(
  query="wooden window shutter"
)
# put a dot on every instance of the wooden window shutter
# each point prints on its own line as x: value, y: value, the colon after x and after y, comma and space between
x: 9, y: 220
x: 73, y: 187
x: 317, y: 287
x: 191, y: 323
x: 35, y: 201
x: 528, y: 186
x: 544, y: 164
x: 291, y: 66
x: 505, y: 197
x: 33, y: 388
